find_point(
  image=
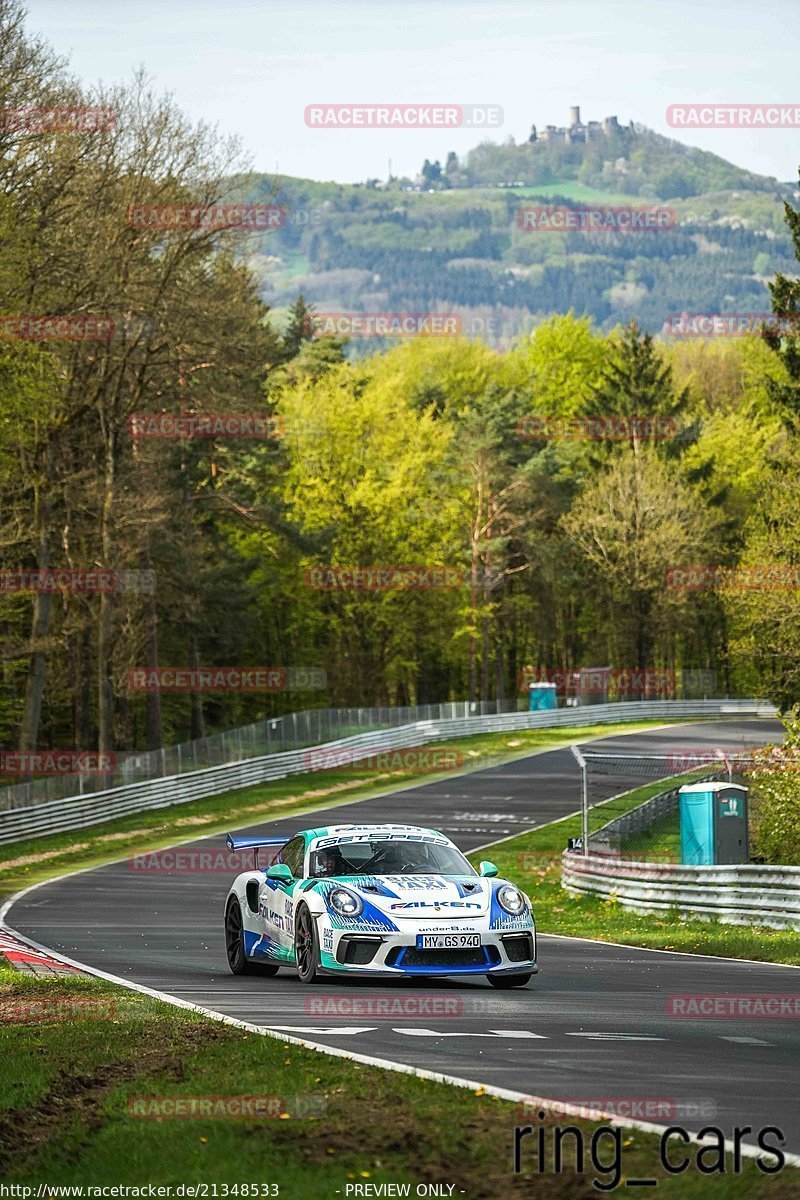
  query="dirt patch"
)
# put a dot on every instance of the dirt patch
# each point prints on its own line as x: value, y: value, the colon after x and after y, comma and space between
x: 358, y: 1130
x: 76, y: 1098
x: 475, y: 1154
x: 27, y: 859
x: 119, y: 837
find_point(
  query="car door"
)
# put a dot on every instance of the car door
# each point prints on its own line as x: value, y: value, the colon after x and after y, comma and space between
x: 277, y: 905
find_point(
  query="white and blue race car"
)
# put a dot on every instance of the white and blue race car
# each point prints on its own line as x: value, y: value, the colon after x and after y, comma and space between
x: 376, y: 900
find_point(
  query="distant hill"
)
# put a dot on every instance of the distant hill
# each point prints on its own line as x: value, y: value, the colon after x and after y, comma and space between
x: 631, y: 160
x: 451, y: 241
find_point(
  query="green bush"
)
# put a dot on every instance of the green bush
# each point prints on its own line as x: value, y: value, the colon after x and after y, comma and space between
x: 774, y: 782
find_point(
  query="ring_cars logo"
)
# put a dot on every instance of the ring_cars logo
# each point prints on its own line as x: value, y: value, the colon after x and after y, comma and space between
x: 437, y: 904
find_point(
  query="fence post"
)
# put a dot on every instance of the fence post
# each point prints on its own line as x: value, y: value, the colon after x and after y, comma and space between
x: 581, y: 761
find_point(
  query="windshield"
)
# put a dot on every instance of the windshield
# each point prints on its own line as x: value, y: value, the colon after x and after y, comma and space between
x: 389, y: 858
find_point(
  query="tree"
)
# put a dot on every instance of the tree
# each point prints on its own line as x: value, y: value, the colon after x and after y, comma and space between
x: 494, y: 468
x: 765, y: 617
x: 636, y: 384
x: 362, y: 470
x: 560, y: 365
x: 298, y: 327
x: 773, y: 780
x: 632, y: 523
x: 785, y: 293
x: 431, y: 172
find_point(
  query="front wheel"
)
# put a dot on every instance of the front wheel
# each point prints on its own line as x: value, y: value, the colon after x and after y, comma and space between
x: 509, y: 981
x: 306, y: 950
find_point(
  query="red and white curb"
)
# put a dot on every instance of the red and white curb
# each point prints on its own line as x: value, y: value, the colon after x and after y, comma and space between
x: 33, y: 962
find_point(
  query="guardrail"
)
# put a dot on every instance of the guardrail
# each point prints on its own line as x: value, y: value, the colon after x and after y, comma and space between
x: 270, y: 735
x: 81, y: 812
x: 747, y: 894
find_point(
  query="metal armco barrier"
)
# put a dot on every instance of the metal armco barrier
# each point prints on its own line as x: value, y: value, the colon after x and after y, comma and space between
x: 80, y: 812
x: 748, y: 894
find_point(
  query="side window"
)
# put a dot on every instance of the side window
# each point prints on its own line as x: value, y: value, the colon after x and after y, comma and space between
x: 292, y: 854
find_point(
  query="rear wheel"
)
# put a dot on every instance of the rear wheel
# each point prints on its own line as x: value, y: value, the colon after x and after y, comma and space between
x: 306, y: 949
x: 238, y: 961
x: 509, y: 981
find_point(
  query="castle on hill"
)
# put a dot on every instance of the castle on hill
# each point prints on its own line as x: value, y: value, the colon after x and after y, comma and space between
x: 576, y: 131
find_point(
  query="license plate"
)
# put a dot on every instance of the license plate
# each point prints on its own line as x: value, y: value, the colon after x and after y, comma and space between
x: 447, y: 941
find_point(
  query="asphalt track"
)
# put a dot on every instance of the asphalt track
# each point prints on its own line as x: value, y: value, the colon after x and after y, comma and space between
x: 593, y: 1025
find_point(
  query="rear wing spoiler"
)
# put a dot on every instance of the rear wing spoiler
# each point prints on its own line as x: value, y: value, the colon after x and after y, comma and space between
x: 271, y: 844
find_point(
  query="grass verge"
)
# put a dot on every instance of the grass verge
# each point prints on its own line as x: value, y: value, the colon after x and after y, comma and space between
x: 67, y: 1087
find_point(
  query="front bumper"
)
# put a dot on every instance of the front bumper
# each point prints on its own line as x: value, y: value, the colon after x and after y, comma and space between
x: 510, y: 951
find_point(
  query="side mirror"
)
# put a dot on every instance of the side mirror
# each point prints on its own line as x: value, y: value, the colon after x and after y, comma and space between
x: 281, y: 873
x: 488, y: 869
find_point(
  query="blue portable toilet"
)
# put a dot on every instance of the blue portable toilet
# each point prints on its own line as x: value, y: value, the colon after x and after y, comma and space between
x: 713, y: 820
x: 541, y: 695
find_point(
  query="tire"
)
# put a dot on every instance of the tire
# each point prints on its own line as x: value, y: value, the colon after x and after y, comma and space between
x: 503, y: 982
x: 306, y: 947
x: 238, y: 961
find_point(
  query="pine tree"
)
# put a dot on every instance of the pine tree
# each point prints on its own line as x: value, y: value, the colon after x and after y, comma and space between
x: 298, y: 329
x: 785, y: 294
x: 636, y: 383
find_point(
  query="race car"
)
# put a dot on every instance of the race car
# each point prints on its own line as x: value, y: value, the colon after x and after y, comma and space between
x: 376, y: 900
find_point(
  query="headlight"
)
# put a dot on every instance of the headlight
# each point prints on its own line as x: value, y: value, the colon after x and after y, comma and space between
x: 511, y: 900
x: 346, y: 904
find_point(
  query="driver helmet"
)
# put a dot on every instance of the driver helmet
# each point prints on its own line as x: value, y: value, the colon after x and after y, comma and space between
x: 329, y: 861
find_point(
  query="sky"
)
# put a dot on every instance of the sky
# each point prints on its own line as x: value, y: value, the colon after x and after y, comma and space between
x: 252, y: 66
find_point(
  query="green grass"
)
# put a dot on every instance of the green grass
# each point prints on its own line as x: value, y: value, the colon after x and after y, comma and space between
x: 66, y: 1087
x: 664, y: 843
x: 36, y: 859
x: 581, y: 194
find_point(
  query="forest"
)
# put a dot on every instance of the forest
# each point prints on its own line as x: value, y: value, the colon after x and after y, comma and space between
x: 497, y: 540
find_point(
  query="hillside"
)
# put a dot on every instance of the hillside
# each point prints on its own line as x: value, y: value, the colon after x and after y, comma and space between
x: 450, y: 240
